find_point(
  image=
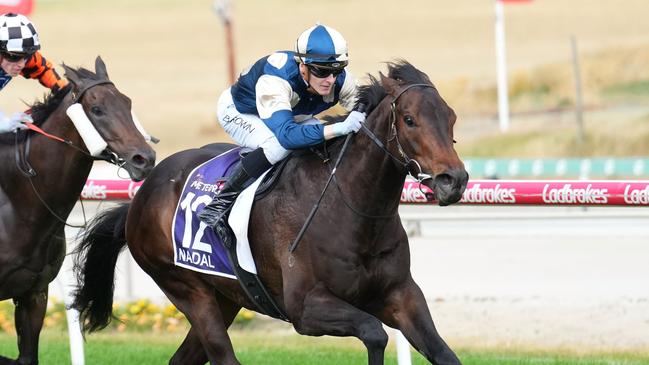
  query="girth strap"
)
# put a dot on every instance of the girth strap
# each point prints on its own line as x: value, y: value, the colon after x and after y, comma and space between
x: 251, y: 283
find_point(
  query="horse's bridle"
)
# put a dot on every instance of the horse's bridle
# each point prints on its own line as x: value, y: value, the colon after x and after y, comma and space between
x: 332, y: 176
x: 26, y: 169
x: 405, y: 161
x: 108, y: 155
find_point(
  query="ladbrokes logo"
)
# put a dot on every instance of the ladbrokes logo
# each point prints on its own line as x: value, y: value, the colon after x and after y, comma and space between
x: 412, y: 194
x: 495, y: 195
x: 636, y: 196
x: 93, y: 192
x: 569, y: 195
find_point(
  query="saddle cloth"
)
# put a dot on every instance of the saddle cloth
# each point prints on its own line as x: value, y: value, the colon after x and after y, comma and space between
x: 196, y: 246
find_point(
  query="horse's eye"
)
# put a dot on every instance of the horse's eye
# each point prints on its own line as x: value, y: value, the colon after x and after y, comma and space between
x: 97, y: 111
x: 410, y: 121
x: 454, y: 141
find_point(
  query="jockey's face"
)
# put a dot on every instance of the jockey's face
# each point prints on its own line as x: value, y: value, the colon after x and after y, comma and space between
x: 12, y: 68
x: 319, y: 85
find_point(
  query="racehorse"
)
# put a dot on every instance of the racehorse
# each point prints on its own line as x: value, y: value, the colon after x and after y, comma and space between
x: 41, y: 180
x: 351, y: 271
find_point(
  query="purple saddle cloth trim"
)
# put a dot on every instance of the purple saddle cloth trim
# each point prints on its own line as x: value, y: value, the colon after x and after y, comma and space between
x: 196, y: 246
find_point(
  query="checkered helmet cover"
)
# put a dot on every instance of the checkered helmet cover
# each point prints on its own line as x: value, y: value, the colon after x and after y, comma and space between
x: 321, y: 44
x: 17, y: 34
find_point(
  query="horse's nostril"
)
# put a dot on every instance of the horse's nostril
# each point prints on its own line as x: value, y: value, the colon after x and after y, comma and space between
x: 443, y: 179
x: 138, y: 160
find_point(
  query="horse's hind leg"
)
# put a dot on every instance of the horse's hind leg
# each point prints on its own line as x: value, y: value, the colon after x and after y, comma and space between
x: 190, y: 351
x: 29, y: 314
x: 207, y: 339
x: 406, y: 309
x: 322, y: 313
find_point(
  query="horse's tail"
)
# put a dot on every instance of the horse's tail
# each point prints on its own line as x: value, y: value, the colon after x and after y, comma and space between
x: 94, y: 267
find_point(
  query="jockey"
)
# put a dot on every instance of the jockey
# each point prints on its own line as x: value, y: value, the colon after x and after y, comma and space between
x: 271, y: 106
x: 19, y: 55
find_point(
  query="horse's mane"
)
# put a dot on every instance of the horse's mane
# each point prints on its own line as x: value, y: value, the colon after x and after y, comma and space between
x: 373, y: 93
x: 42, y: 109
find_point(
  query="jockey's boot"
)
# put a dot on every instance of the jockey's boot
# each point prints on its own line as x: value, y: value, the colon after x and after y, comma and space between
x: 218, y: 208
x: 251, y: 166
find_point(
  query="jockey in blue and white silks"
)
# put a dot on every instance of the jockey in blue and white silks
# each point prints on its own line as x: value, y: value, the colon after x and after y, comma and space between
x: 274, y: 91
x: 270, y: 108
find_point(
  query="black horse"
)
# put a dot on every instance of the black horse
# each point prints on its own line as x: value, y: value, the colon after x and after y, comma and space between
x: 40, y: 181
x: 351, y: 271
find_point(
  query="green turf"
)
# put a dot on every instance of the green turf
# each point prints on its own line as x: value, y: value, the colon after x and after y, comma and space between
x: 270, y: 348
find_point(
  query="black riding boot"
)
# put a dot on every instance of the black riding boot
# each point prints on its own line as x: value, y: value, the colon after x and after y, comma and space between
x: 245, y: 173
x: 218, y: 208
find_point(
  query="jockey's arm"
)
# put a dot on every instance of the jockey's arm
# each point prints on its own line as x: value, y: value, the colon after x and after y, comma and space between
x: 37, y: 67
x: 274, y: 107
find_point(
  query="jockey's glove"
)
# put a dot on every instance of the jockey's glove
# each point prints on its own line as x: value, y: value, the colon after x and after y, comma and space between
x: 350, y: 125
x: 15, y: 122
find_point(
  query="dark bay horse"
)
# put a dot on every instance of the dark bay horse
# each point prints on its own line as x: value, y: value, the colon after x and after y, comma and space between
x: 34, y: 203
x: 351, y: 271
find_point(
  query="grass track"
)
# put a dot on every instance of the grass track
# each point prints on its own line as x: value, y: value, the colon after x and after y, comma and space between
x: 269, y: 348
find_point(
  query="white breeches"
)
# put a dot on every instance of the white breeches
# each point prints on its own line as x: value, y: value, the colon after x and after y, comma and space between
x: 248, y: 130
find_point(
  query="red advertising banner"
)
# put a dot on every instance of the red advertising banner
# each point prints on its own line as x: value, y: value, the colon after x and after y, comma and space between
x: 482, y: 192
x: 541, y: 192
x: 24, y: 7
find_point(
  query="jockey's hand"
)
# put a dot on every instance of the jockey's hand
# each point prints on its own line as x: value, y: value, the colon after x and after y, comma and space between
x: 350, y: 125
x: 13, y: 123
x: 19, y: 119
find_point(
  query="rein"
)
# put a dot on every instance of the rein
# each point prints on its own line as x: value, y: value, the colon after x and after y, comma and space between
x: 324, y: 190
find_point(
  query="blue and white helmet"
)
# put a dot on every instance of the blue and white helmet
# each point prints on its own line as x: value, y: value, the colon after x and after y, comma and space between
x: 321, y: 44
x: 17, y: 34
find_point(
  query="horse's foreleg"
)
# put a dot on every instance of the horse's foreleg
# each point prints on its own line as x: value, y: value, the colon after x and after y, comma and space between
x: 406, y: 309
x: 29, y: 314
x: 322, y: 313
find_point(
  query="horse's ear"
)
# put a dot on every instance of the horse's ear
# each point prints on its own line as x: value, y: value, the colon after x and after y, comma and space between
x: 72, y: 75
x: 390, y: 85
x: 100, y: 68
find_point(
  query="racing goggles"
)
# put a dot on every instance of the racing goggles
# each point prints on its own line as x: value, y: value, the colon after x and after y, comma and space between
x: 15, y: 56
x: 322, y: 71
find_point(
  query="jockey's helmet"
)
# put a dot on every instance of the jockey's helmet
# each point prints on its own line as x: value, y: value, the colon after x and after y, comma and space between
x: 18, y: 35
x: 323, y: 46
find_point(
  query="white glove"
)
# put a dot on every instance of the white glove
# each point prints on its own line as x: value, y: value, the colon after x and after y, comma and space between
x: 15, y: 122
x: 349, y: 125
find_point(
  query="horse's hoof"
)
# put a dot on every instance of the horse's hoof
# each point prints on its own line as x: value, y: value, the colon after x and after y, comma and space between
x: 7, y: 361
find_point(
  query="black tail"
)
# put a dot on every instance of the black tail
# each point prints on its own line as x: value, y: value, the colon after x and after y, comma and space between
x: 94, y: 267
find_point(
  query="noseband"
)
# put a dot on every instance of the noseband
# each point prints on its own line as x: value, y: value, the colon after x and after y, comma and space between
x: 108, y: 155
x: 405, y: 161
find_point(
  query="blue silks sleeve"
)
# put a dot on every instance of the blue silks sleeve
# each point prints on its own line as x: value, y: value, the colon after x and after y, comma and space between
x: 292, y: 135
